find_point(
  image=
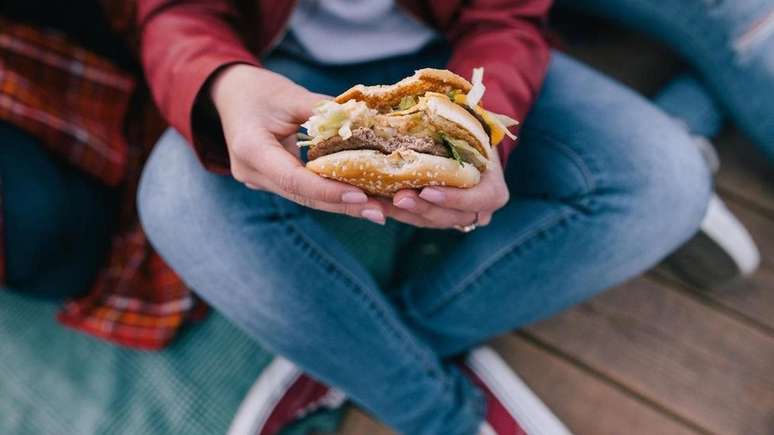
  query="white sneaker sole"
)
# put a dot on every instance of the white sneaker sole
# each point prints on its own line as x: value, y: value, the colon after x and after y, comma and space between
x: 720, y: 252
x: 531, y: 413
x: 725, y: 230
x: 263, y: 397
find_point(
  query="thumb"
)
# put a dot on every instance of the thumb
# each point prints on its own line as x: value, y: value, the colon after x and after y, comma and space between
x: 305, y: 104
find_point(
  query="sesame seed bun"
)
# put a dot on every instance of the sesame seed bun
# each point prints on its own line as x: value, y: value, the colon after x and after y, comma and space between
x: 385, y: 174
x: 385, y: 97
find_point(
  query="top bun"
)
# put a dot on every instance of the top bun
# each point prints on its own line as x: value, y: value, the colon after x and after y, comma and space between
x: 385, y: 97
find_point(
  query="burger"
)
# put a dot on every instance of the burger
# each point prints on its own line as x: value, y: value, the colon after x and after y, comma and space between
x: 426, y: 130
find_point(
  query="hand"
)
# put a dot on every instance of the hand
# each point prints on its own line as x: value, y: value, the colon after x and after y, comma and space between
x: 446, y: 207
x: 260, y: 112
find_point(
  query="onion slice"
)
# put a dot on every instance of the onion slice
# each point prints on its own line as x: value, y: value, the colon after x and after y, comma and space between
x: 477, y: 90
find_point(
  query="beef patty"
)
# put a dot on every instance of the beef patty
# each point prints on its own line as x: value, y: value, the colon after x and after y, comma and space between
x: 366, y: 139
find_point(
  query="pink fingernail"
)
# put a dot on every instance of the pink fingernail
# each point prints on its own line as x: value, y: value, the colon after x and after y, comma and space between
x: 406, y: 203
x: 432, y: 195
x: 372, y: 215
x: 354, y: 198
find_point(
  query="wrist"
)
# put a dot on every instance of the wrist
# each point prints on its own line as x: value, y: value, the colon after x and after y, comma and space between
x: 230, y: 83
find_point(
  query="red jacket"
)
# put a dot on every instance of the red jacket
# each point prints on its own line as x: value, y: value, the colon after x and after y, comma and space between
x: 183, y: 42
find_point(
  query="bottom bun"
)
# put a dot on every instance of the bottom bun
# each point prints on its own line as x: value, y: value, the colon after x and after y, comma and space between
x: 385, y: 174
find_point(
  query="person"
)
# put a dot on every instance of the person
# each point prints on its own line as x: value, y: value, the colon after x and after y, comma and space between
x: 575, y: 208
x: 729, y: 47
x: 76, y: 123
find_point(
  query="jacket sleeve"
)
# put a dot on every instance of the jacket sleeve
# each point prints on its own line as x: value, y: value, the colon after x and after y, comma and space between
x: 183, y: 43
x: 507, y: 38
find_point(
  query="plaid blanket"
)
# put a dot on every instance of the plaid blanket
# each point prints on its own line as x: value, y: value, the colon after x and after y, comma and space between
x: 100, y: 119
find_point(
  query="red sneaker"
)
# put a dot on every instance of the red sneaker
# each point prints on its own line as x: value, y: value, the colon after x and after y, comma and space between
x: 281, y: 396
x: 512, y: 408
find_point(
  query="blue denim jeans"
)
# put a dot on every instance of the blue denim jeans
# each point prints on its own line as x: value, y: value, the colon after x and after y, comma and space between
x: 730, y: 43
x: 56, y: 221
x: 603, y: 185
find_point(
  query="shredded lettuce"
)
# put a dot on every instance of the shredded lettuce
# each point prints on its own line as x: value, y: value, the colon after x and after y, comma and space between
x: 331, y: 118
x: 462, y: 151
x: 454, y: 145
x: 453, y: 151
x: 505, y: 120
x: 303, y: 139
x: 477, y: 91
x: 453, y: 94
x: 498, y: 124
x: 407, y: 102
x: 502, y: 122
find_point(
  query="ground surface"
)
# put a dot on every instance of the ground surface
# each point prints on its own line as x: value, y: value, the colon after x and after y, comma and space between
x: 656, y: 356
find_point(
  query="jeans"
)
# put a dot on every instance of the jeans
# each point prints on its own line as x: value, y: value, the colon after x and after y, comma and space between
x: 56, y: 220
x: 730, y: 43
x: 603, y: 186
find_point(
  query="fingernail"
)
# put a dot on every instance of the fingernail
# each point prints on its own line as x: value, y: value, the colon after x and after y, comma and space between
x: 372, y: 215
x: 432, y: 195
x: 354, y: 198
x: 406, y: 203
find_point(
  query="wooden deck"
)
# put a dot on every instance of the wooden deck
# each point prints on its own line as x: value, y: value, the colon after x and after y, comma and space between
x: 656, y: 356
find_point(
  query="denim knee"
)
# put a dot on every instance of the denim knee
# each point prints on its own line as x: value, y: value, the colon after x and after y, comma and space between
x: 160, y: 192
x: 181, y: 204
x: 665, y: 183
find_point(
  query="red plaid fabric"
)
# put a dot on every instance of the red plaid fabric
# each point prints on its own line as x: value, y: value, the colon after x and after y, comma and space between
x: 100, y: 119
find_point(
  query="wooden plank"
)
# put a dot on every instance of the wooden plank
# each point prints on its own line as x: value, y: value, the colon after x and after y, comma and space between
x: 744, y: 171
x: 704, y: 366
x: 587, y: 404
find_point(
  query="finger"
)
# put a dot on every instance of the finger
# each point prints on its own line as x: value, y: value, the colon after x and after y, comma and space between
x: 372, y: 210
x: 410, y: 201
x: 292, y: 179
x: 489, y: 194
x: 305, y: 104
x: 484, y: 218
x: 349, y: 206
x: 406, y: 217
x: 289, y: 144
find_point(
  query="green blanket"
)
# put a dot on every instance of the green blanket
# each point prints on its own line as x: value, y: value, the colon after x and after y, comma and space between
x: 57, y: 381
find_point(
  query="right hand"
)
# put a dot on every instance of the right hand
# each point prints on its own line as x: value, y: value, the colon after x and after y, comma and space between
x: 261, y: 112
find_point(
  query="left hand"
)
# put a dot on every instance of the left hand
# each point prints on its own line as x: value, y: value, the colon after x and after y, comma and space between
x: 446, y: 207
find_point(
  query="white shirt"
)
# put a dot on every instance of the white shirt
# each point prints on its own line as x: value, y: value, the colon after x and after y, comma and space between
x: 350, y: 31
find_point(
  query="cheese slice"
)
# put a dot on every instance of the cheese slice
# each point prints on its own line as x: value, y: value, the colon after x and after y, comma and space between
x: 497, y: 129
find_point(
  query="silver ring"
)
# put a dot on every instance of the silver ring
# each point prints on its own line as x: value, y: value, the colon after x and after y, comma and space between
x: 469, y: 227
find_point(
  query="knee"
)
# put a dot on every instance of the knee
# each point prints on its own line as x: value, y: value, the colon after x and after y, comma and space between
x: 163, y: 193
x: 182, y: 206
x: 666, y: 183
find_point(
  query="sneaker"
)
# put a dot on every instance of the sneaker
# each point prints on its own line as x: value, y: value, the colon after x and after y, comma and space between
x: 282, y: 395
x: 512, y: 408
x: 720, y: 252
